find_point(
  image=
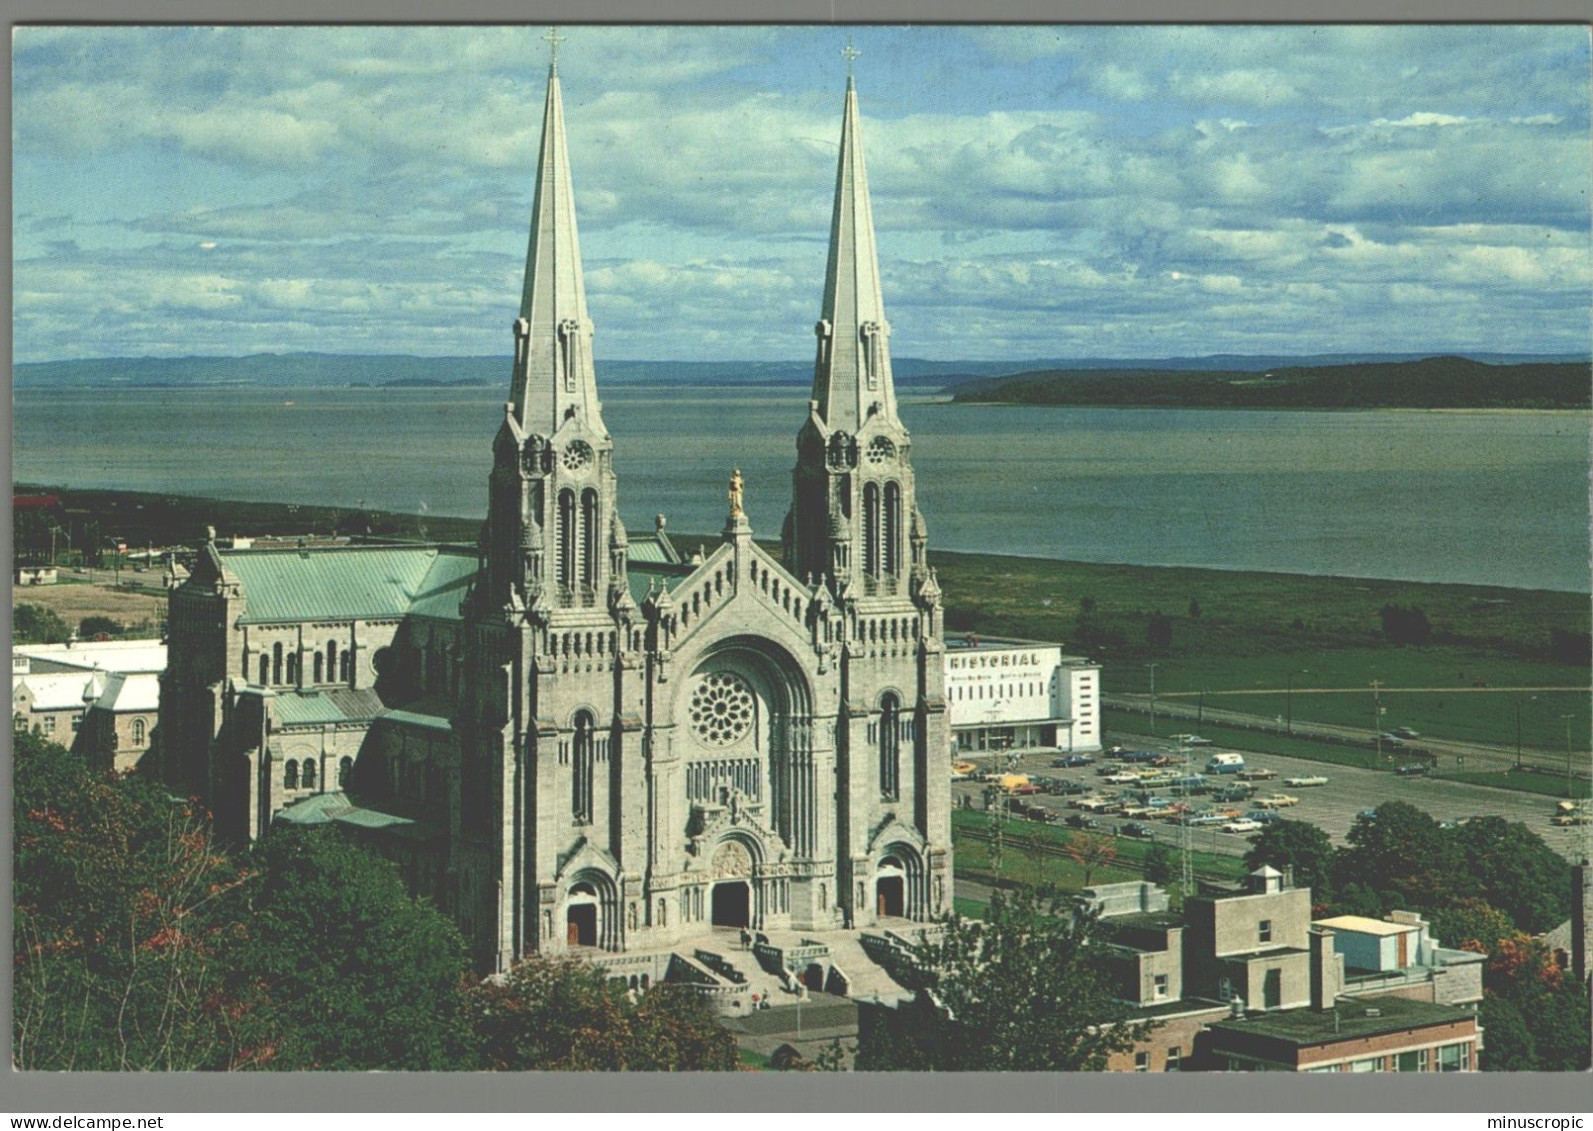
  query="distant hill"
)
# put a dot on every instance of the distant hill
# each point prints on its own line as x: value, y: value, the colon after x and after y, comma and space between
x: 324, y: 370
x: 1433, y: 382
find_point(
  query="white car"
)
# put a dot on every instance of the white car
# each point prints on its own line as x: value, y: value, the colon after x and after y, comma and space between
x: 1242, y: 825
x: 1314, y: 779
x: 1123, y: 778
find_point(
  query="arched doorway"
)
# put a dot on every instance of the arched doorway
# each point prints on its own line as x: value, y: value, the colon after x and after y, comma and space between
x: 890, y: 888
x: 580, y: 916
x: 732, y: 904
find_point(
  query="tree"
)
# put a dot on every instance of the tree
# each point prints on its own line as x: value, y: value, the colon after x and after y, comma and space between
x: 1301, y: 846
x: 127, y: 917
x: 567, y: 1015
x: 1194, y: 608
x: 1516, y: 872
x: 1022, y: 990
x: 37, y: 624
x: 1471, y: 924
x: 359, y: 974
x: 1091, y: 853
x: 1406, y: 625
x: 1523, y: 984
x: 1159, y: 863
x: 1402, y: 855
x: 90, y: 627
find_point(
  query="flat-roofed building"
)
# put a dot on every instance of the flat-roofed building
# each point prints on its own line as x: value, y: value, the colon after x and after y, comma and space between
x: 1384, y: 1034
x: 1006, y: 694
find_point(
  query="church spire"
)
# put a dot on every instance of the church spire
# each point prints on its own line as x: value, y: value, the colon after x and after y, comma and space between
x: 852, y: 372
x: 553, y: 335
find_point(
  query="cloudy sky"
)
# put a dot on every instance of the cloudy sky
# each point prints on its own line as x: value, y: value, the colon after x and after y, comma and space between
x: 1039, y: 192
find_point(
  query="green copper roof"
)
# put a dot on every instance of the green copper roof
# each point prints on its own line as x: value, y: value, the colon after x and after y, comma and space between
x: 444, y: 585
x: 326, y: 808
x: 347, y: 583
x: 648, y: 551
x: 310, y: 708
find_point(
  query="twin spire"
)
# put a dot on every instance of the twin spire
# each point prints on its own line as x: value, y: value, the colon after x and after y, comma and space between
x: 553, y: 371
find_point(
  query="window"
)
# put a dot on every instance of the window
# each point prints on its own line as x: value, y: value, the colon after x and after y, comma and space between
x: 265, y: 669
x: 344, y: 769
x: 1370, y: 1064
x: 309, y: 773
x: 1454, y: 1058
x: 1409, y: 1062
x: 1160, y: 986
x: 1224, y: 989
x: 49, y: 724
x: 889, y: 736
x: 581, y: 782
x: 77, y: 721
x: 1175, y: 1060
x: 1264, y: 932
x: 1142, y: 1062
x: 290, y: 775
x: 138, y: 732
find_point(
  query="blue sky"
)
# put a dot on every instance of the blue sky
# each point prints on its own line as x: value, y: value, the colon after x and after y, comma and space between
x: 1038, y: 191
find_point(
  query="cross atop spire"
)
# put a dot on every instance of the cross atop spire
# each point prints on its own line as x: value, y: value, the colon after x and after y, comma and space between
x: 553, y: 39
x: 849, y: 53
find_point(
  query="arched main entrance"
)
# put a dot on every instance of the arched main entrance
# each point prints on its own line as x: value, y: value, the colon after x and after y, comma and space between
x: 581, y: 916
x: 731, y: 904
x: 890, y: 888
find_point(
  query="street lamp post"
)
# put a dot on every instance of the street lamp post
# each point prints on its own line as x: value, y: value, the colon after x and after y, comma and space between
x: 1288, y: 698
x: 1567, y: 719
x: 1152, y: 668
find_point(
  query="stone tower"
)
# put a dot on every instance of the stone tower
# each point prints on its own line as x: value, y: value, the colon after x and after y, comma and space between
x: 548, y: 632
x: 855, y: 528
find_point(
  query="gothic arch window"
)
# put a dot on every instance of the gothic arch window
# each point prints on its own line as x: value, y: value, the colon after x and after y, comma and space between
x: 309, y: 773
x: 331, y: 661
x: 276, y: 662
x: 345, y: 767
x: 345, y: 664
x: 293, y: 667
x: 290, y: 775
x: 566, y: 537
x: 265, y: 669
x: 890, y: 553
x: 890, y: 711
x: 320, y: 671
x: 871, y: 530
x: 589, y: 526
x: 584, y: 756
x: 138, y: 732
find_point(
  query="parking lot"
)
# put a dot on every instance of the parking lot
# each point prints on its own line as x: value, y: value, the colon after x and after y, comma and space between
x: 1332, y: 807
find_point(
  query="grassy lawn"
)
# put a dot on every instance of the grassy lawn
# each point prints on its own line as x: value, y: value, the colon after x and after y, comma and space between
x: 1551, y: 785
x: 753, y: 1061
x: 1240, y: 739
x: 969, y: 908
x: 1022, y: 860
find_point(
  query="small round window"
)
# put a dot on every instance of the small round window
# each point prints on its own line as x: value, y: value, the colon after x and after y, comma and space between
x: 880, y: 450
x: 721, y: 708
x: 577, y: 455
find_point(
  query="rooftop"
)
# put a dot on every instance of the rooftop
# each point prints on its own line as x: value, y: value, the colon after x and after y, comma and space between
x: 1364, y: 1017
x: 1362, y: 925
x: 89, y: 655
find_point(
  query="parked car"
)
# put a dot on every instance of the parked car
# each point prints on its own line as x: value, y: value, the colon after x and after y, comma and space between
x: 1233, y: 793
x: 1242, y: 825
x: 1257, y: 775
x: 1389, y: 739
x: 1121, y: 777
x: 1278, y: 801
x: 1193, y: 740
x: 1080, y: 821
x: 1413, y: 769
x: 1068, y: 788
x: 1312, y: 779
x: 1262, y: 816
x: 1137, y: 830
x: 1406, y: 732
x: 1369, y: 814
x: 1028, y: 790
x: 1073, y: 760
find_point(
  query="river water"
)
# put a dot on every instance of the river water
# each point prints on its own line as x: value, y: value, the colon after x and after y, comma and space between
x: 1496, y: 498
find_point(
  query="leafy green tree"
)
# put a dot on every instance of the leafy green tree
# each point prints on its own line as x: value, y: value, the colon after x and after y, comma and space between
x: 1404, y: 625
x: 126, y: 918
x: 1402, y: 854
x: 1022, y: 990
x: 1301, y: 846
x: 1159, y: 863
x: 1471, y: 920
x: 566, y: 1015
x: 1516, y: 872
x: 37, y: 624
x: 359, y: 974
x: 1510, y: 1044
x: 90, y: 627
x: 1523, y: 983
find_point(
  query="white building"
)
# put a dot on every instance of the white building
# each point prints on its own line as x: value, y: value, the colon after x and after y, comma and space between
x: 1020, y: 694
x: 101, y: 697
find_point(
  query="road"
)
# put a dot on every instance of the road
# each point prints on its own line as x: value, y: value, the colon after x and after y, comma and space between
x: 1332, y: 808
x: 1477, y: 755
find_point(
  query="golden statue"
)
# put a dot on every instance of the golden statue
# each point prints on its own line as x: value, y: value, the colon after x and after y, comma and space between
x: 735, y: 493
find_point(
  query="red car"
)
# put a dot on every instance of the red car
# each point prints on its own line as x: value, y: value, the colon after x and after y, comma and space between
x: 1025, y: 790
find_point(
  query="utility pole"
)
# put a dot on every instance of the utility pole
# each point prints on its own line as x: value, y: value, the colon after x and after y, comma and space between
x: 1152, y: 668
x: 1567, y: 719
x: 1377, y: 721
x: 1187, y: 878
x: 1288, y: 698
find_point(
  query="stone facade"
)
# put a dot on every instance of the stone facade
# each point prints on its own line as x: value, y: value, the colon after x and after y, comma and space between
x: 581, y: 745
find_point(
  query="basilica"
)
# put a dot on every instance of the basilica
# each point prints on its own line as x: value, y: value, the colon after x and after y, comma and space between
x: 571, y: 737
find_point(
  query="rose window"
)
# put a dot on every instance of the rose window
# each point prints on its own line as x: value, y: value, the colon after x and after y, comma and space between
x: 721, y: 708
x: 577, y: 455
x: 880, y: 450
